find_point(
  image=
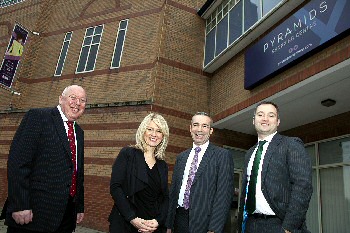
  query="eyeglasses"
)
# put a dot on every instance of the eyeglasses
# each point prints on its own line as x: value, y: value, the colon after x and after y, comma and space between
x: 74, y: 98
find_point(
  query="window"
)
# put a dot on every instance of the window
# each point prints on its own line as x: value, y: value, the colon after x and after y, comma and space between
x: 229, y: 21
x: 219, y: 14
x: 63, y: 54
x: 89, y: 50
x: 119, y: 44
x: 329, y: 209
x: 5, y: 3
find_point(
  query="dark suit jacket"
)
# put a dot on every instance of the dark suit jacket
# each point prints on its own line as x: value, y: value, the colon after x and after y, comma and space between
x: 286, y: 181
x: 211, y: 191
x: 129, y: 175
x: 40, y: 170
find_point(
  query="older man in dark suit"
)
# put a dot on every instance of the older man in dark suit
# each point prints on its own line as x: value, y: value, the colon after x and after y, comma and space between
x: 277, y: 179
x: 46, y: 168
x: 200, y: 198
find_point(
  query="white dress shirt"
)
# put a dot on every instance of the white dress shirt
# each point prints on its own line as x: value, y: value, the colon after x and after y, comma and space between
x: 262, y: 206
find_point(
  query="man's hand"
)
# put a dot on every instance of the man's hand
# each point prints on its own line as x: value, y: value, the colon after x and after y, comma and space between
x: 168, y: 230
x: 80, y: 217
x: 23, y: 217
x: 287, y: 231
x: 210, y: 231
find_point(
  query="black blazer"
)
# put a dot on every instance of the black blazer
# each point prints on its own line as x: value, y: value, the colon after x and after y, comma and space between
x: 40, y: 170
x: 129, y: 175
x: 211, y: 191
x: 286, y: 181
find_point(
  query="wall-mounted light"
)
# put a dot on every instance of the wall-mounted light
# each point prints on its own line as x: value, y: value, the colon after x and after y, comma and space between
x: 328, y: 102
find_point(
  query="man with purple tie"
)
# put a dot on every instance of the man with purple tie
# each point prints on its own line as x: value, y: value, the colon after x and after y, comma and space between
x: 202, y: 190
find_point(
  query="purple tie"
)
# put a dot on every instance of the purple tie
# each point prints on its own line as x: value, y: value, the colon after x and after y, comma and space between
x: 190, y: 179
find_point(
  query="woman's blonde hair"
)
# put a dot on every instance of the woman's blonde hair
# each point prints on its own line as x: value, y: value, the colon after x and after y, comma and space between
x: 163, y: 126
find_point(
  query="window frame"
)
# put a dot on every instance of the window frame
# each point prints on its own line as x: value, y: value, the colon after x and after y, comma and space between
x: 65, y: 56
x: 90, y: 45
x: 116, y: 43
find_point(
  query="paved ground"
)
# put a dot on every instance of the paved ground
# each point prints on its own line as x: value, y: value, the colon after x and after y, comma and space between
x: 78, y: 230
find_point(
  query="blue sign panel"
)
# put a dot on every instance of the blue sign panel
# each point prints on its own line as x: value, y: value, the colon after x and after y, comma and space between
x: 306, y: 30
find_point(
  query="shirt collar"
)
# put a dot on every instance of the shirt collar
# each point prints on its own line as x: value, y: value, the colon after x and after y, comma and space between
x: 268, y: 138
x: 203, y: 147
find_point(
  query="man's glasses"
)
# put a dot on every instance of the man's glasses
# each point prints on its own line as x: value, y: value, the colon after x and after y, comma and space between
x: 74, y: 98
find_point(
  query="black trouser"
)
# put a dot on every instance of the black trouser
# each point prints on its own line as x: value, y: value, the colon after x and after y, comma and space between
x: 181, y: 224
x: 67, y: 225
x: 264, y: 224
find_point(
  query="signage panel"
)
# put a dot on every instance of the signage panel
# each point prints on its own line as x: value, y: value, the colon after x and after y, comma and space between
x: 315, y: 24
x: 13, y: 55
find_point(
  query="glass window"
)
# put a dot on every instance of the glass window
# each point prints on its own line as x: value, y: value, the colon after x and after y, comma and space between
x: 238, y: 157
x: 119, y: 44
x: 312, y: 213
x: 235, y: 23
x: 268, y: 5
x: 329, y: 209
x: 252, y: 13
x: 63, y: 54
x: 209, y: 47
x: 221, y: 35
x: 335, y: 193
x: 5, y: 3
x: 312, y: 152
x: 89, y: 49
x: 243, y: 14
x: 337, y: 151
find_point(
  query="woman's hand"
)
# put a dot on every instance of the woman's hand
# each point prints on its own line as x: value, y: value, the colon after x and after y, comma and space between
x: 152, y: 223
x: 143, y: 225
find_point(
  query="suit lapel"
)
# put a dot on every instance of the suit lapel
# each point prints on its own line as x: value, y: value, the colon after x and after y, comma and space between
x: 269, y: 154
x: 140, y: 165
x: 80, y: 140
x: 247, y: 159
x: 182, y: 164
x: 61, y: 130
x: 204, y: 163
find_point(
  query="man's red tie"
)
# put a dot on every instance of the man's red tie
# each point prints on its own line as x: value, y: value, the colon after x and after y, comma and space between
x: 71, y: 138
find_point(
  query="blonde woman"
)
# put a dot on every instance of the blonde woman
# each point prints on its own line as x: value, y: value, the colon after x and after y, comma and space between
x: 139, y: 181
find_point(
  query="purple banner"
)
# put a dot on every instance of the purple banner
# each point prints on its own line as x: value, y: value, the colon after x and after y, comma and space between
x: 13, y: 55
x: 307, y: 31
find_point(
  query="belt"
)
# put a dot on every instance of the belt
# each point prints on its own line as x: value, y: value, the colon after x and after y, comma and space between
x: 264, y: 216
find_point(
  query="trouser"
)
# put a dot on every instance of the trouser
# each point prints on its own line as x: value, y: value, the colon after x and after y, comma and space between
x: 67, y: 225
x: 181, y: 224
